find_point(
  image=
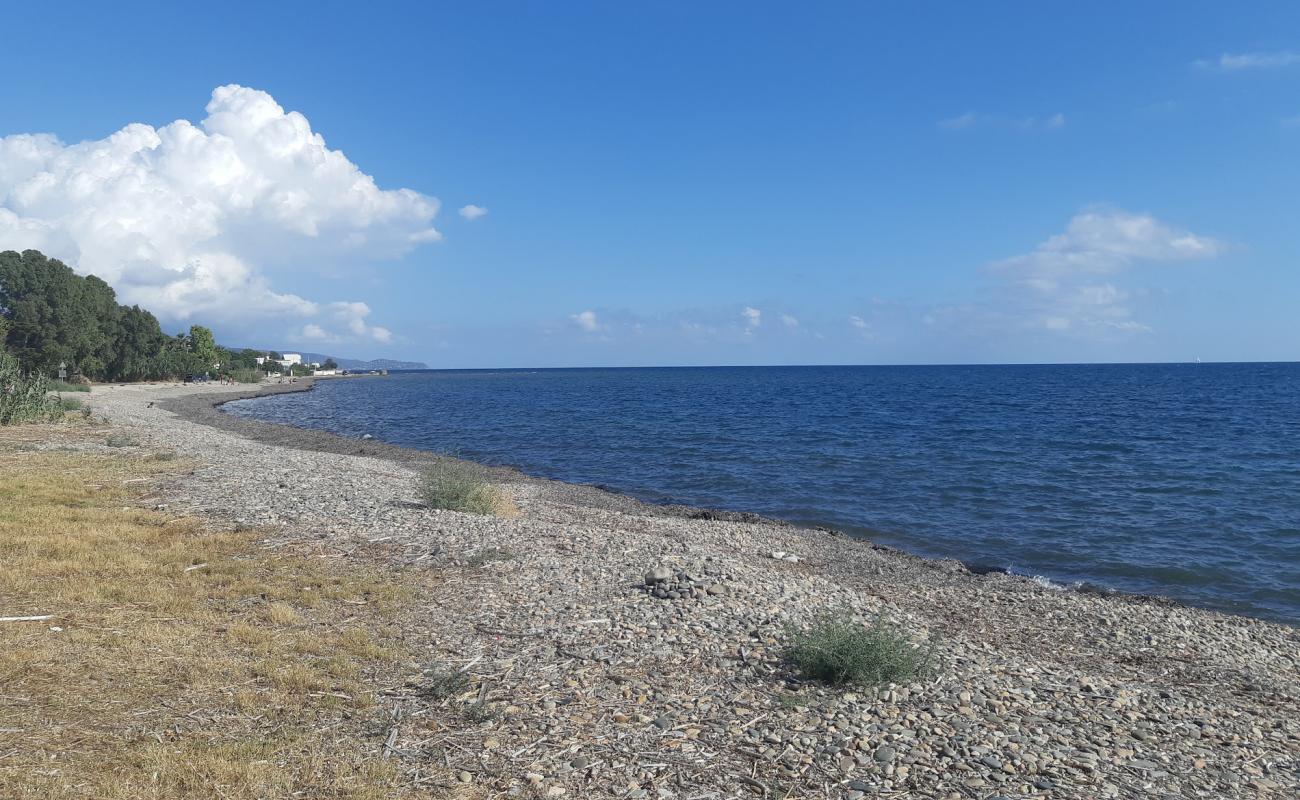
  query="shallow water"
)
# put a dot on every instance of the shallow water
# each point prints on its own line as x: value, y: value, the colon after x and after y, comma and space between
x: 1181, y: 480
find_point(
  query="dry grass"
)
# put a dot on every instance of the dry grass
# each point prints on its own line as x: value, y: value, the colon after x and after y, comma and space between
x: 249, y: 677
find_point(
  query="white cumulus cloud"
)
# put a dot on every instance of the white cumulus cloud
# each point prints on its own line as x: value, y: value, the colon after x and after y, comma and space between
x: 184, y: 219
x: 473, y: 212
x: 789, y: 321
x: 753, y: 317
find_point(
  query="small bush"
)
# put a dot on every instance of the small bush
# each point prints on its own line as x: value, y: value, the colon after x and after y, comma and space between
x: 461, y: 487
x: 443, y: 683
x: 488, y: 555
x: 247, y: 376
x: 120, y: 440
x: 838, y: 651
x: 64, y: 386
x: 477, y: 711
x: 71, y: 404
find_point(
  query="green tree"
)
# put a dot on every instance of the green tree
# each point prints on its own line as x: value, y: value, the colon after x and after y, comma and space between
x: 140, y: 344
x: 50, y: 315
x: 203, y: 346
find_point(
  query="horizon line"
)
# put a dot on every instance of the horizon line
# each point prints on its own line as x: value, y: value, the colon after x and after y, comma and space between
x: 815, y: 366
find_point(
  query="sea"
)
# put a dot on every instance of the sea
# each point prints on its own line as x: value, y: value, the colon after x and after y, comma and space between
x: 1180, y: 480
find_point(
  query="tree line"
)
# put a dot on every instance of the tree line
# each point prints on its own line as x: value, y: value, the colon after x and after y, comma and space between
x: 49, y: 316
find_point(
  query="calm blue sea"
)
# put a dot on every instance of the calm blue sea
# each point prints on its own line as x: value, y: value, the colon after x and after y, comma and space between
x: 1181, y: 480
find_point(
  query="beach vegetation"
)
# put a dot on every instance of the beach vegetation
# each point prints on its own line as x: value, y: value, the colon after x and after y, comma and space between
x: 838, y: 650
x: 64, y: 386
x: 441, y: 683
x: 461, y: 486
x: 269, y: 660
x: 246, y: 376
x: 121, y: 440
x: 25, y: 397
x: 477, y: 711
x: 489, y: 554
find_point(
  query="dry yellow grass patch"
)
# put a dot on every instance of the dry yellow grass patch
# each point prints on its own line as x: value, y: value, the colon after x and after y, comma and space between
x: 247, y: 677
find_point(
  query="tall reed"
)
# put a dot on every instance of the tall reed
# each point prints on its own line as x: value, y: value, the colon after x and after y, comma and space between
x: 25, y: 398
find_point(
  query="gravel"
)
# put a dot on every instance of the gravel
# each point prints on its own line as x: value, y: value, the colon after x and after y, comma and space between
x: 586, y: 682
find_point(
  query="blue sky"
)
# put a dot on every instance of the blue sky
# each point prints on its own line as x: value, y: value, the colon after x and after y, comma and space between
x: 676, y: 183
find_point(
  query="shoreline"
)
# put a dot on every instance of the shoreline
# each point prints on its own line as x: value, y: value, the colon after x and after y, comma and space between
x: 205, y: 409
x: 582, y: 681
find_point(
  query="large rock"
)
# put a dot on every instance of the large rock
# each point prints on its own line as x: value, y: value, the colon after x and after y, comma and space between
x: 658, y: 575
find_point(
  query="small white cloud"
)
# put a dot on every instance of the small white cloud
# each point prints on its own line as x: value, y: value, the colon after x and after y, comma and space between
x: 473, y: 212
x: 967, y: 120
x: 858, y: 322
x: 972, y: 120
x: 587, y: 321
x: 1236, y: 62
x: 789, y: 321
x: 1103, y: 240
x: 345, y: 316
x: 753, y: 317
x: 1058, y: 283
x: 315, y: 333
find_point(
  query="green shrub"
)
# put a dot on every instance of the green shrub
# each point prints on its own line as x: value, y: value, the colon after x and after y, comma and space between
x: 120, y: 440
x: 477, y: 711
x: 24, y: 398
x: 64, y: 386
x: 71, y: 404
x: 838, y: 651
x: 442, y: 683
x: 488, y: 555
x: 247, y: 376
x: 457, y: 486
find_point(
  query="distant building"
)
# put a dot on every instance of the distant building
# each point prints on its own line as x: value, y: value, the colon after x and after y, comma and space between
x: 290, y: 360
x: 326, y: 372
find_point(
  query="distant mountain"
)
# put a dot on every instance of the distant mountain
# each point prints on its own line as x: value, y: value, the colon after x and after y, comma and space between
x: 356, y: 363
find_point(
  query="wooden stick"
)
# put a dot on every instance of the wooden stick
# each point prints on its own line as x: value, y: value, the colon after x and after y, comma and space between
x: 39, y: 618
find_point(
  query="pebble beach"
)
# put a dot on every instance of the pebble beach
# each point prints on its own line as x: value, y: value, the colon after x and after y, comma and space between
x: 609, y: 648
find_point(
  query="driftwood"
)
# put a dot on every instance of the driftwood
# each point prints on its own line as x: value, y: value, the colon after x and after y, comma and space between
x: 38, y: 618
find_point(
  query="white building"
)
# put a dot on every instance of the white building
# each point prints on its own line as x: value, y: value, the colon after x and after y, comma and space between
x: 290, y: 360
